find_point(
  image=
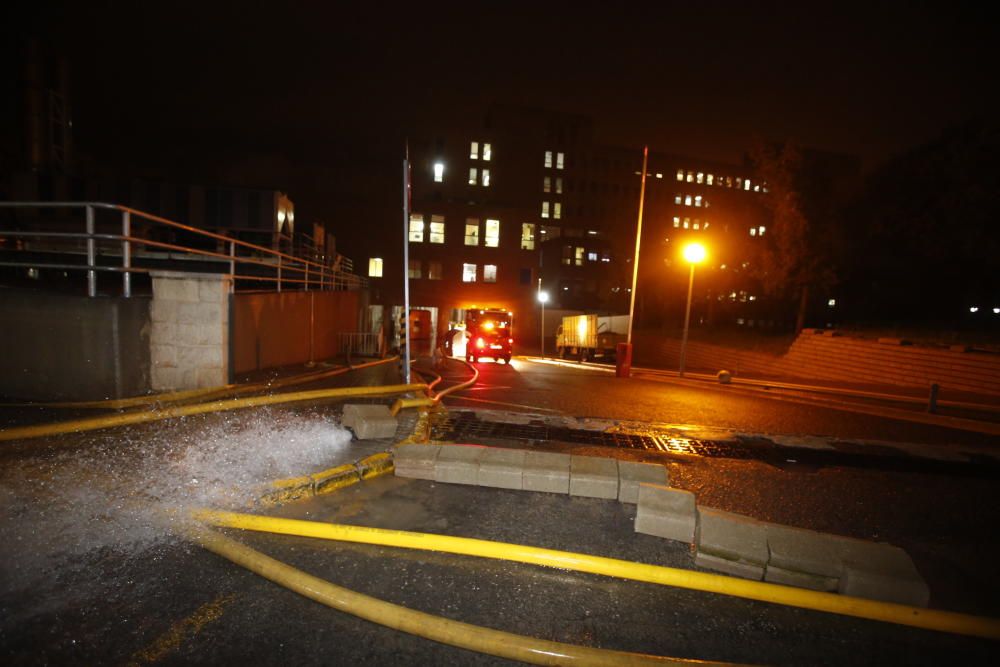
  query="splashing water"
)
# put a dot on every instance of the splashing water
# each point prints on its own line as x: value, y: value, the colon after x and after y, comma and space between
x: 124, y: 492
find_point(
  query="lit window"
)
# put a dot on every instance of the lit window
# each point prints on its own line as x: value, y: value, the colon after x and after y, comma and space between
x: 591, y: 256
x: 753, y: 231
x: 527, y: 236
x: 996, y: 311
x: 487, y: 152
x: 831, y: 303
x: 473, y: 175
x: 437, y: 229
x: 548, y: 159
x: 705, y: 226
x: 558, y: 185
x: 687, y: 223
x: 677, y: 200
x: 545, y: 209
x: 489, y: 273
x: 416, y: 228
x: 689, y: 177
x: 547, y: 184
x: 433, y: 270
x: 697, y: 200
x: 438, y: 172
x: 414, y: 268
x: 680, y: 174
x: 696, y: 225
x: 468, y: 273
x: 739, y: 182
x: 729, y: 181
x: 474, y: 150
x: 486, y: 178
x: 557, y: 210
x: 687, y: 200
x: 709, y: 179
x: 560, y: 160
x: 746, y: 185
x: 760, y: 231
x: 677, y: 221
x: 756, y: 188
x: 700, y: 178
x: 492, y: 233
x: 375, y: 267
x: 974, y: 309
x: 471, y: 231
x: 578, y: 256
x: 659, y: 175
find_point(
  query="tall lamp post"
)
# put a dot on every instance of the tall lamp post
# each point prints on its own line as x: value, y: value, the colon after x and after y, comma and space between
x: 693, y: 253
x: 543, y: 298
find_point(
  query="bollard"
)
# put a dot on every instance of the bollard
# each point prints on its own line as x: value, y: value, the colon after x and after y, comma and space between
x: 623, y: 360
x: 932, y: 399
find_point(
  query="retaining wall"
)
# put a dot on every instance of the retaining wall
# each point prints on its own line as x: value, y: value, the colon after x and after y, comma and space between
x: 57, y: 347
x: 818, y: 355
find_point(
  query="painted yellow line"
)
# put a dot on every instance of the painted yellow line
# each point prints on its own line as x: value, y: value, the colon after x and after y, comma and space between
x: 181, y: 631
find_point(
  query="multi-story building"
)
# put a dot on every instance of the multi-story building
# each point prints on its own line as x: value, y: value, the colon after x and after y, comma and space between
x: 527, y: 200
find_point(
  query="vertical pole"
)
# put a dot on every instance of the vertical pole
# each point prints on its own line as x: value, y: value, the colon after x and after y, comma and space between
x: 91, y: 254
x: 232, y: 265
x: 687, y: 319
x: 126, y: 254
x: 638, y: 238
x: 279, y: 271
x: 406, y: 266
x: 543, y: 329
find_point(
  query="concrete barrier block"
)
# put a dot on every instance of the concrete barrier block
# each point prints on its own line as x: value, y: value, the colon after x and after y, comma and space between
x: 884, y: 572
x: 415, y: 461
x: 547, y: 472
x: 814, y: 582
x: 593, y: 477
x: 804, y: 551
x: 732, y: 536
x: 631, y: 474
x: 736, y: 568
x: 352, y: 411
x: 502, y: 468
x: 458, y: 464
x: 666, y: 512
x: 373, y: 428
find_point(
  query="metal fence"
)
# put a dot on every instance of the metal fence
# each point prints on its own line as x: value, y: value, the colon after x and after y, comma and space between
x: 95, y: 237
x: 358, y: 343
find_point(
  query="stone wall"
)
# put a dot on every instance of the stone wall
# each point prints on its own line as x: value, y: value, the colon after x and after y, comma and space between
x: 189, y: 341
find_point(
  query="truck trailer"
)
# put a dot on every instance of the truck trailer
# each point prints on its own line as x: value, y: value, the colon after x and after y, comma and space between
x: 591, y: 336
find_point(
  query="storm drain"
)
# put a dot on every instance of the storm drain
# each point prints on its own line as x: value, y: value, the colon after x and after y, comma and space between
x: 468, y: 427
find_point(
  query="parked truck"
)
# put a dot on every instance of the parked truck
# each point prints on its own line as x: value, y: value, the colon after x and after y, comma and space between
x: 591, y: 336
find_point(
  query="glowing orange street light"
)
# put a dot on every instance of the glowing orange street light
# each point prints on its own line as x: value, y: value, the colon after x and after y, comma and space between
x: 693, y: 253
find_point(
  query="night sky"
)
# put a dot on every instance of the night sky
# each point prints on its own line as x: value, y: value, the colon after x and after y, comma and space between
x: 183, y: 88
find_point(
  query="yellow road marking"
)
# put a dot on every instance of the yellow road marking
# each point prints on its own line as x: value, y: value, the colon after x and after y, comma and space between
x: 181, y: 631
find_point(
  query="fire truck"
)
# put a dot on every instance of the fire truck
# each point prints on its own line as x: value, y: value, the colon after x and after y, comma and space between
x: 490, y: 333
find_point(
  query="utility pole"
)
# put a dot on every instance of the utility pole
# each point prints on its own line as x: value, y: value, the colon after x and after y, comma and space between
x: 406, y: 266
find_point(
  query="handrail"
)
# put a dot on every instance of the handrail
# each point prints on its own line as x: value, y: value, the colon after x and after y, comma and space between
x: 289, y: 268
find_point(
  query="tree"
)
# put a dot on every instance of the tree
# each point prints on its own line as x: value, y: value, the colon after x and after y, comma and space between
x: 797, y: 252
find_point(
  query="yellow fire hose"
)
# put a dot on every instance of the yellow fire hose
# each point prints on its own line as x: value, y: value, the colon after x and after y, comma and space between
x: 436, y: 628
x: 107, y: 421
x: 928, y: 619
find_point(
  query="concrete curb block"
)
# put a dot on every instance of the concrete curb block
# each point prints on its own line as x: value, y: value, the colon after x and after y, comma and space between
x: 632, y: 474
x: 593, y: 477
x: 666, y: 512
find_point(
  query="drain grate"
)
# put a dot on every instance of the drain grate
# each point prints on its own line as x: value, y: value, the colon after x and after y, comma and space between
x: 467, y: 427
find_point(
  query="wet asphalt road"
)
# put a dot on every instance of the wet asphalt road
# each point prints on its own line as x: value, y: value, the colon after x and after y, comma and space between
x: 167, y: 602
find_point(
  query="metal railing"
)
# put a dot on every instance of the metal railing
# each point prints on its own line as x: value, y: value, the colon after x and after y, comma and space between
x: 358, y: 343
x: 53, y: 231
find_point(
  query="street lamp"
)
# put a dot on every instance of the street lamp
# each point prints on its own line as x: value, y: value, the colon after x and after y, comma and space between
x: 693, y: 253
x: 543, y: 297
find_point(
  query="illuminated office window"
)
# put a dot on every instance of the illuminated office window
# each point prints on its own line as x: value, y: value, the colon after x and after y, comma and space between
x: 439, y: 172
x: 545, y: 209
x: 527, y: 236
x: 548, y: 159
x: 709, y: 179
x: 487, y: 152
x: 473, y: 175
x: 375, y: 267
x: 486, y: 178
x: 680, y: 174
x: 474, y: 150
x: 492, y: 233
x: 489, y: 273
x: 557, y: 210
x: 437, y: 229
x: 471, y: 231
x: 700, y: 178
x: 578, y: 256
x: 677, y: 221
x: 468, y: 273
x: 560, y: 160
x: 416, y: 228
